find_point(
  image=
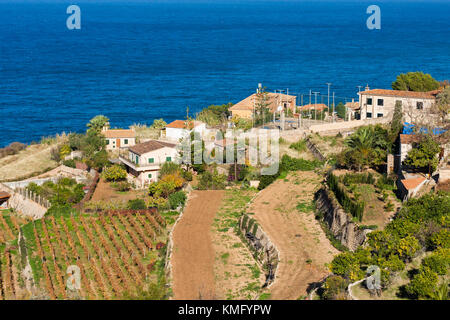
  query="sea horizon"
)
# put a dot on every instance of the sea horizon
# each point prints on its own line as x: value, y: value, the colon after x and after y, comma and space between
x: 136, y: 62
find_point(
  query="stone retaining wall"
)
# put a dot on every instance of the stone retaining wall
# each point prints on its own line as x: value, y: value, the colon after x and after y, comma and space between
x: 339, y: 222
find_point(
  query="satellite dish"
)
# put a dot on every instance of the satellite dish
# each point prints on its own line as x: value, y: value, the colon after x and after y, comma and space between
x: 280, y: 108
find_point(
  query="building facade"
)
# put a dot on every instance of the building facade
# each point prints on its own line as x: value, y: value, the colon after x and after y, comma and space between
x: 144, y: 160
x: 276, y: 102
x: 180, y: 129
x: 119, y: 138
x: 379, y: 103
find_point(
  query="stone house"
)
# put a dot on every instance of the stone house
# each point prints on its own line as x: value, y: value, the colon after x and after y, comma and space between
x: 180, y: 129
x: 276, y: 102
x: 144, y: 160
x: 119, y: 138
x: 379, y: 103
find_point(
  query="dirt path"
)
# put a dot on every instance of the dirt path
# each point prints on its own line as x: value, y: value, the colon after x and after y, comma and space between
x: 303, y: 247
x: 193, y: 254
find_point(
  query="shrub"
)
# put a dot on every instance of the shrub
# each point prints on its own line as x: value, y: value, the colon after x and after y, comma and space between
x: 355, y: 208
x: 212, y: 181
x: 176, y: 199
x: 423, y: 284
x: 294, y: 164
x: 346, y: 265
x: 121, y: 186
x: 300, y: 145
x: 169, y: 168
x: 168, y: 184
x: 438, y: 262
x: 12, y: 149
x: 187, y: 175
x: 136, y: 204
x: 69, y: 163
x: 334, y: 288
x: 114, y: 173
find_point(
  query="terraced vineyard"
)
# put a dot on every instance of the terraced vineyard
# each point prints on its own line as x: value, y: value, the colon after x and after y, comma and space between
x: 115, y: 252
x: 9, y: 230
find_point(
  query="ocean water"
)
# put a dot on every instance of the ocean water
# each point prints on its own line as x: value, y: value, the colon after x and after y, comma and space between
x: 135, y: 62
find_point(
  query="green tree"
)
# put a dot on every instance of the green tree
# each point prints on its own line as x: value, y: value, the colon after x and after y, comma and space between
x: 397, y: 122
x: 415, y: 81
x: 158, y: 124
x: 97, y: 123
x: 114, y: 173
x: 423, y: 284
x: 424, y: 155
x: 341, y: 110
x: 442, y: 106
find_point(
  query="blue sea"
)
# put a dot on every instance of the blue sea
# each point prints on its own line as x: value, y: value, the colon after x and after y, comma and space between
x: 135, y: 62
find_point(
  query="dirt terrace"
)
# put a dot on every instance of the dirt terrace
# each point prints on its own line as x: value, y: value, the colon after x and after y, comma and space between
x: 303, y: 247
x: 193, y: 254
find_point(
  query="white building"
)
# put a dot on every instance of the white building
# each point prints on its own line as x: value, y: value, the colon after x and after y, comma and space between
x: 179, y: 129
x: 119, y: 138
x: 379, y: 103
x: 144, y: 160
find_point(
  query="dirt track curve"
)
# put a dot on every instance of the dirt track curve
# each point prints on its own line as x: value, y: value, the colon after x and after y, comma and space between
x: 302, y: 244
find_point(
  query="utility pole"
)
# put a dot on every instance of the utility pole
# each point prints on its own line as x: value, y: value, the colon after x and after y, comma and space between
x: 328, y: 84
x: 315, y: 105
x: 333, y: 106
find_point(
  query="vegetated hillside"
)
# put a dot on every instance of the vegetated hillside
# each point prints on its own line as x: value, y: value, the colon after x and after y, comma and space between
x: 119, y: 255
x: 422, y: 228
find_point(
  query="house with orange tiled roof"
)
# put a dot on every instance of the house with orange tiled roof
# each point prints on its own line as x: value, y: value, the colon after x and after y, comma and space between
x: 179, y: 129
x: 409, y: 187
x: 143, y: 161
x: 118, y: 138
x: 379, y: 103
x: 275, y: 101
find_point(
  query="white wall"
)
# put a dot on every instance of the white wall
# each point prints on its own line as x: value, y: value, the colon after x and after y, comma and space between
x: 408, y: 105
x: 112, y: 143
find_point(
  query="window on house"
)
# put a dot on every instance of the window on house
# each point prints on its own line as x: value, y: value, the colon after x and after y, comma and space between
x: 380, y: 102
x: 107, y: 141
x: 149, y: 175
x: 151, y: 160
x: 419, y: 105
x: 137, y: 159
x: 369, y: 101
x: 125, y: 141
x: 369, y: 114
x: 168, y: 159
x: 379, y: 115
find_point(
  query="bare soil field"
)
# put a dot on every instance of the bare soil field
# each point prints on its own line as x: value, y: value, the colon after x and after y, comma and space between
x: 33, y: 160
x: 285, y: 212
x: 193, y: 253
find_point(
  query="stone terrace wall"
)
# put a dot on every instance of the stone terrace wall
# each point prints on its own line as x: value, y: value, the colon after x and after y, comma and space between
x: 339, y: 222
x: 262, y: 248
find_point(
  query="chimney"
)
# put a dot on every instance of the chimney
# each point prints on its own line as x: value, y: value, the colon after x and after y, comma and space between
x: 367, y: 87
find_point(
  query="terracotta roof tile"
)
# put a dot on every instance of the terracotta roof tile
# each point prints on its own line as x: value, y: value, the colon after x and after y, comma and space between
x: 401, y: 94
x: 272, y: 99
x: 151, y: 145
x: 183, y: 124
x: 409, y: 138
x: 412, y: 183
x: 119, y: 133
